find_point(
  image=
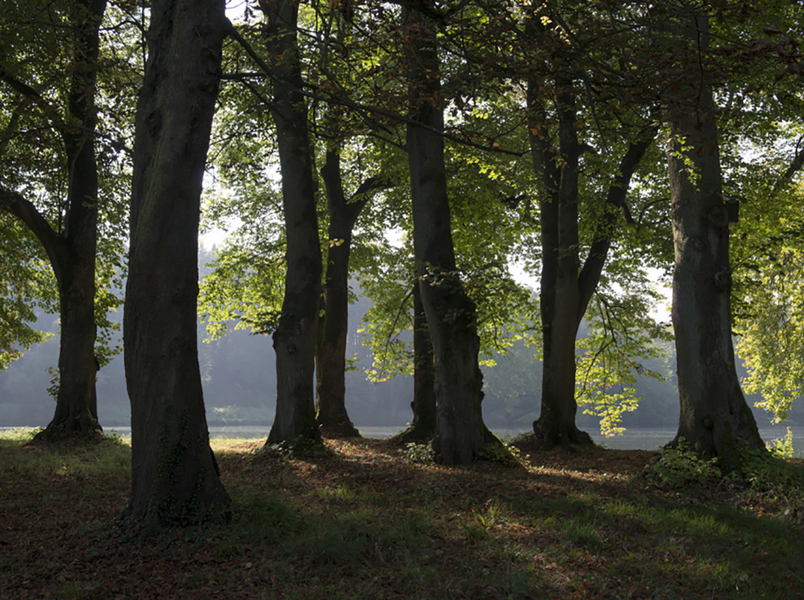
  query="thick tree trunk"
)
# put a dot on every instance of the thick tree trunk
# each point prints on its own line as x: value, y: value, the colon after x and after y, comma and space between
x: 423, y: 426
x: 295, y: 337
x: 174, y: 473
x: 76, y: 404
x: 715, y: 418
x: 460, y: 433
x: 331, y: 354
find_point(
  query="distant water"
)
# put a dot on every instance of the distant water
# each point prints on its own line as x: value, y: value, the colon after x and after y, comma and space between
x: 633, y: 439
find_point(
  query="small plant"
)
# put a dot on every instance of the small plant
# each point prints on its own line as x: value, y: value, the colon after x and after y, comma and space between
x: 492, y: 514
x: 418, y: 453
x: 783, y: 447
x: 681, y: 466
x: 771, y: 472
x: 21, y: 434
x: 115, y: 437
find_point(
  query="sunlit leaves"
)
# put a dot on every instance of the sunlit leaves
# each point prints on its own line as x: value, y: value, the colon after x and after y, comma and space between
x: 26, y: 284
x: 771, y: 327
x: 622, y: 335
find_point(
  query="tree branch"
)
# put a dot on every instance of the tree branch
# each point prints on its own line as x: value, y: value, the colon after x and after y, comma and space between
x: 357, y: 106
x: 615, y: 199
x: 794, y: 167
x: 15, y: 204
x: 50, y: 111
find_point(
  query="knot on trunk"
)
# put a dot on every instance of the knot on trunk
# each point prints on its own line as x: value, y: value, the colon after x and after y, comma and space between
x: 723, y: 279
x: 719, y: 216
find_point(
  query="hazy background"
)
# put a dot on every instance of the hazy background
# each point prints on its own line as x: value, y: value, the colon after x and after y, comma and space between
x: 239, y: 379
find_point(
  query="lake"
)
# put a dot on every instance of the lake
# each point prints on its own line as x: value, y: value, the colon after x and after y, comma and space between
x: 633, y: 439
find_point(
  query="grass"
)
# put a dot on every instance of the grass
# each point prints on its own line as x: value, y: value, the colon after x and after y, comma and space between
x: 366, y: 519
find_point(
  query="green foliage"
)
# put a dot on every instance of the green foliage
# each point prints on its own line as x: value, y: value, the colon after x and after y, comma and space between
x: 26, y: 284
x: 771, y: 337
x: 681, y: 467
x: 388, y: 324
x: 501, y: 452
x: 418, y: 453
x: 19, y: 435
x: 769, y: 472
x: 783, y: 447
x: 621, y: 337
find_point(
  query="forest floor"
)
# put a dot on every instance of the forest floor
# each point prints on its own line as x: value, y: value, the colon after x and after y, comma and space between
x: 370, y: 519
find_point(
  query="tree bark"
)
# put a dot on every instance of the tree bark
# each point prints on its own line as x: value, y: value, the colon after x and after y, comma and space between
x: 460, y: 434
x: 72, y: 251
x: 423, y: 427
x: 295, y: 337
x: 174, y: 474
x: 715, y: 418
x: 331, y: 353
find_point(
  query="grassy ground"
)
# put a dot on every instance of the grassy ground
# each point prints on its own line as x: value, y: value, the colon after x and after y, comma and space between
x: 363, y: 519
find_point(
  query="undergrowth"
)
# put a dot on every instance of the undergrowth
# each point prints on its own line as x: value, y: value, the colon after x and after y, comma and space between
x: 681, y: 467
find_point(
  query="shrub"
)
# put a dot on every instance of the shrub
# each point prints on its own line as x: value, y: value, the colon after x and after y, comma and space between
x: 681, y: 466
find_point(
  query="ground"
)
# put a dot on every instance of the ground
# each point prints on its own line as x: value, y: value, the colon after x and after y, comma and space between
x: 368, y: 519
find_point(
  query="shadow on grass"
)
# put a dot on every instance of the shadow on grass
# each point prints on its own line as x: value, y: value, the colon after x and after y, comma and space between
x: 356, y: 520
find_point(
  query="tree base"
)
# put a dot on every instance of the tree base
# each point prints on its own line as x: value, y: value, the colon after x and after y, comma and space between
x: 311, y: 435
x: 83, y: 428
x: 414, y: 435
x: 550, y: 435
x: 341, y: 430
x: 152, y: 523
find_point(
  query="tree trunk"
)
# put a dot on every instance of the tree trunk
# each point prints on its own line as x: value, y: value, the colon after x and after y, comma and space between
x: 561, y: 304
x: 423, y: 426
x: 295, y: 337
x: 76, y: 404
x: 331, y: 355
x: 460, y: 433
x: 174, y: 474
x: 715, y: 418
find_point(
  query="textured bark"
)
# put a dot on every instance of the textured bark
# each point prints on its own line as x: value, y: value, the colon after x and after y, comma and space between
x: 566, y: 288
x: 423, y: 426
x: 460, y: 433
x: 72, y: 251
x: 715, y: 418
x: 295, y: 337
x: 331, y: 352
x: 174, y: 474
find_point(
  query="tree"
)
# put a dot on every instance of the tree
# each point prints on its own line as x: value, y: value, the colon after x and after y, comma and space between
x: 70, y: 240
x: 174, y: 473
x: 714, y: 415
x: 331, y: 352
x: 295, y: 336
x: 460, y: 435
x: 567, y: 285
